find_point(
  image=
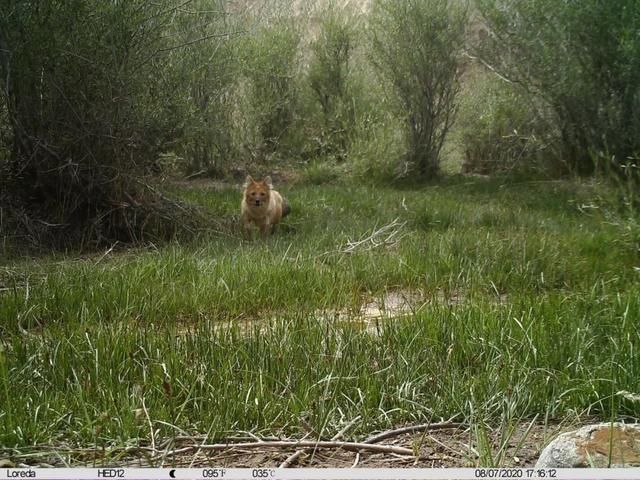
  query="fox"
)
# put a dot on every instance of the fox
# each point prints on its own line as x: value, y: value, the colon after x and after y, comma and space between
x: 262, y: 206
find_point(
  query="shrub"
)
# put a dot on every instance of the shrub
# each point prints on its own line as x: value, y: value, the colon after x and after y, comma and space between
x: 498, y: 129
x: 582, y: 59
x: 318, y: 173
x: 328, y: 76
x: 90, y: 96
x: 209, y: 72
x: 377, y: 151
x: 271, y: 70
x: 415, y: 47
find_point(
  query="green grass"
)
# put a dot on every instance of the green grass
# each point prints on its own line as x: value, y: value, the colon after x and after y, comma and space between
x: 547, y: 321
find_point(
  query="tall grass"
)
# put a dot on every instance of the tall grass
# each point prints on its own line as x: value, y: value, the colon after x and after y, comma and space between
x: 525, y: 306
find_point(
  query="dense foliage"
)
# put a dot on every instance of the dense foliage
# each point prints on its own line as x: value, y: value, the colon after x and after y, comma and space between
x: 98, y: 99
x: 92, y: 98
x: 416, y: 47
x: 583, y: 60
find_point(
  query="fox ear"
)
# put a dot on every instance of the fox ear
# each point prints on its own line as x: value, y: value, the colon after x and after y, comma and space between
x: 248, y: 181
x: 267, y: 181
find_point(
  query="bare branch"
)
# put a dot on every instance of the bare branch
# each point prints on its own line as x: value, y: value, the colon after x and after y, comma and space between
x: 293, y: 457
x: 492, y: 69
x: 351, y: 446
x: 412, y: 429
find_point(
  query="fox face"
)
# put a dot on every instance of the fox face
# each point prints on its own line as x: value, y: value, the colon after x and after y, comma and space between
x: 257, y: 194
x: 262, y: 206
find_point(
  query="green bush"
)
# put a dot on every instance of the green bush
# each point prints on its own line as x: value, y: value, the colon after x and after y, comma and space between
x: 329, y: 80
x: 498, y: 129
x: 322, y: 172
x: 415, y: 48
x: 92, y: 99
x: 270, y: 92
x: 209, y: 71
x: 377, y: 151
x: 582, y: 59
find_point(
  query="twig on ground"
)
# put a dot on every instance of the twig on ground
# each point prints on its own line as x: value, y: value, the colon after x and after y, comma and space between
x: 231, y: 438
x: 411, y: 429
x: 160, y: 450
x: 107, y: 252
x: 385, y: 236
x: 352, y: 446
x: 296, y: 455
x: 197, y: 452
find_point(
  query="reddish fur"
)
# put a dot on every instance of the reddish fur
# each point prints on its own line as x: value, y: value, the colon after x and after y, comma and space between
x: 262, y: 206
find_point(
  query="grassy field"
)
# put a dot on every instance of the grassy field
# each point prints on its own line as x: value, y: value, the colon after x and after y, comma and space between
x: 525, y: 303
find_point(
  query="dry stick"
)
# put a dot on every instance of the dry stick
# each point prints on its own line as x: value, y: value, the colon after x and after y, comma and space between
x: 400, y: 431
x: 371, y: 241
x: 373, y: 238
x: 413, y: 428
x: 255, y: 437
x: 195, y: 455
x: 353, y: 446
x: 107, y: 253
x: 293, y: 457
x: 231, y: 439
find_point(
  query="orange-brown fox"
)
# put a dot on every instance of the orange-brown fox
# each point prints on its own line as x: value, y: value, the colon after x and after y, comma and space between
x: 262, y: 206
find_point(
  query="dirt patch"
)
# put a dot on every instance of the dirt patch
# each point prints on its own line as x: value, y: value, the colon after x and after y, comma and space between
x: 390, y: 306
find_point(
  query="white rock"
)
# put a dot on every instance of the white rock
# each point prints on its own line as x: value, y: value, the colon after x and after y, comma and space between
x: 591, y: 446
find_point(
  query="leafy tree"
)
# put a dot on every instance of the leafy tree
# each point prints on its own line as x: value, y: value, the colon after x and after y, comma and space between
x: 91, y: 98
x: 209, y: 71
x: 583, y: 59
x: 328, y: 77
x: 416, y: 47
x: 271, y: 67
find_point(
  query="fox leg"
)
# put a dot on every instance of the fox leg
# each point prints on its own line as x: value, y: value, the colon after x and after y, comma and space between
x: 245, y: 226
x: 266, y: 229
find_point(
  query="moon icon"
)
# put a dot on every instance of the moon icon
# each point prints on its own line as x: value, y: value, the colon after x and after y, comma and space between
x: 172, y: 473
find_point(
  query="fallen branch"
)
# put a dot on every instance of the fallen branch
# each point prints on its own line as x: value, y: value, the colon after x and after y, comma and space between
x: 377, y: 238
x: 385, y: 236
x: 352, y: 446
x: 411, y: 429
x: 294, y: 456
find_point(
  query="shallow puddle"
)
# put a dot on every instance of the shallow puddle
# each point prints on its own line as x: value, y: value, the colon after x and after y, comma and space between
x: 392, y: 305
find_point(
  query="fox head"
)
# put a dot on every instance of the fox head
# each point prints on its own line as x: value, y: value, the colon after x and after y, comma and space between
x: 257, y: 194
